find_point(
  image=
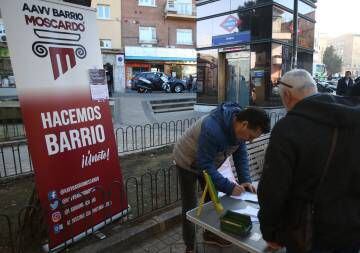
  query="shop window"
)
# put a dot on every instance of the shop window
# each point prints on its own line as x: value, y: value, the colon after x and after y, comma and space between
x: 150, y: 3
x: 258, y: 21
x: 282, y: 24
x: 305, y: 60
x: 207, y: 76
x: 283, y: 28
x: 306, y: 33
x: 147, y: 34
x: 260, y: 73
x: 306, y: 10
x: 105, y: 43
x: 286, y: 3
x: 103, y: 11
x: 184, y: 36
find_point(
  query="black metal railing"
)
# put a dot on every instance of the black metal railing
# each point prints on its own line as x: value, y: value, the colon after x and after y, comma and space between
x: 148, y: 136
x: 145, y: 194
x: 11, y: 129
x: 15, y: 157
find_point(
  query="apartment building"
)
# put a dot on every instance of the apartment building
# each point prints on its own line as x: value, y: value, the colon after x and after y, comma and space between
x: 348, y: 47
x: 159, y: 35
x: 109, y: 27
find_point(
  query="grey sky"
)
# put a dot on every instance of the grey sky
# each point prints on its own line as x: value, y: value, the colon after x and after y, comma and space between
x: 338, y: 17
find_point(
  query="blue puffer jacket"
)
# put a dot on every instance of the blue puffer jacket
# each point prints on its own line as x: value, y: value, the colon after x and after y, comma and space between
x: 217, y: 138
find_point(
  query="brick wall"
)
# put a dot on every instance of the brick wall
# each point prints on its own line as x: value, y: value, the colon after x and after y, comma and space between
x: 134, y: 16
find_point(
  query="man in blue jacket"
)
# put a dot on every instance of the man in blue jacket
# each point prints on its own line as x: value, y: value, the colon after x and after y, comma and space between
x: 205, y: 146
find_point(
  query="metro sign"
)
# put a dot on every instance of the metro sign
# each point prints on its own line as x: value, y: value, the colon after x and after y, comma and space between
x: 230, y: 23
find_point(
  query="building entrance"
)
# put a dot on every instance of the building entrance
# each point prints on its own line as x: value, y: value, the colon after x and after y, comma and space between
x: 237, y: 77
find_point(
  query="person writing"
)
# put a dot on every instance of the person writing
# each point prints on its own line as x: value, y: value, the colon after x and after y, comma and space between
x: 205, y: 146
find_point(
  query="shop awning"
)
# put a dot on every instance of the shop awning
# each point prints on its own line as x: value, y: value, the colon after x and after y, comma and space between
x: 159, y: 54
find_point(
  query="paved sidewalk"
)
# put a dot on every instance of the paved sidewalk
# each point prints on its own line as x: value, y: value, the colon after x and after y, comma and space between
x: 171, y: 242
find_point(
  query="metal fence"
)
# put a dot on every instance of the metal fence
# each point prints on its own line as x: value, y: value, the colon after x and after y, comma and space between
x: 151, y: 191
x: 148, y: 136
x: 10, y: 129
x: 15, y: 157
x: 145, y: 194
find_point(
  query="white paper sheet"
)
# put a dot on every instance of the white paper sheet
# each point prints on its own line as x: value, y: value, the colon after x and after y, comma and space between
x: 254, y: 220
x: 99, y: 92
x: 247, y: 196
x: 249, y: 210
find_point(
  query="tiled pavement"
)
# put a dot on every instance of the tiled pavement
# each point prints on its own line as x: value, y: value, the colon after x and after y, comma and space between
x: 171, y: 242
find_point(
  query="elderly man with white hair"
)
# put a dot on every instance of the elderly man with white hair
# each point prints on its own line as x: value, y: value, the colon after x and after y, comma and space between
x: 309, y: 192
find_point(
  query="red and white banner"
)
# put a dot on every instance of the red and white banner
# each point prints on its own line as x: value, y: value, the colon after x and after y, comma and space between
x: 53, y: 46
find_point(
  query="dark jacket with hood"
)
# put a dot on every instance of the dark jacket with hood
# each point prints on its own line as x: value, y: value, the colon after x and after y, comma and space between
x: 296, y: 155
x: 209, y: 142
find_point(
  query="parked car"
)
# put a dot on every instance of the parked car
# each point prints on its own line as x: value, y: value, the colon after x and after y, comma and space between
x: 176, y: 85
x: 326, y: 87
x: 156, y: 81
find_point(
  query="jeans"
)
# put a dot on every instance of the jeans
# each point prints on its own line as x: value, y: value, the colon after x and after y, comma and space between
x: 189, y: 194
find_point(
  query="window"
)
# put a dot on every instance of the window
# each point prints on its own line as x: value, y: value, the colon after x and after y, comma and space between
x: 207, y: 76
x: 103, y: 11
x: 105, y: 43
x: 184, y: 7
x: 184, y: 36
x: 147, y: 34
x: 147, y: 3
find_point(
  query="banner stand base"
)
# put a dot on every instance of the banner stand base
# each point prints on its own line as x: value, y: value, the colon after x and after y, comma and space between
x: 78, y: 237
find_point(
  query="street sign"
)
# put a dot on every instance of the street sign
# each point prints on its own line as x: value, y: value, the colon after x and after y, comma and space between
x: 232, y: 38
x: 53, y: 45
x: 230, y: 23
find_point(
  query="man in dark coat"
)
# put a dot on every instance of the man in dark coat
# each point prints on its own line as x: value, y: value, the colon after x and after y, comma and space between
x: 345, y: 84
x: 298, y: 150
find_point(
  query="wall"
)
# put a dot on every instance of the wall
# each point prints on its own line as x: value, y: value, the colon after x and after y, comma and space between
x: 110, y: 28
x: 134, y: 16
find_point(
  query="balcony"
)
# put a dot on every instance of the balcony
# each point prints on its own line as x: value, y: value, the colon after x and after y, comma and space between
x: 180, y: 9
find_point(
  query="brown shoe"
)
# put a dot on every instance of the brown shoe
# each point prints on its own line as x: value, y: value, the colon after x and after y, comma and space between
x: 211, y: 238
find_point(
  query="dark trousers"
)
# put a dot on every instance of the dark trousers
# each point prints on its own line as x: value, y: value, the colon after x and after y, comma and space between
x: 350, y: 249
x: 189, y: 195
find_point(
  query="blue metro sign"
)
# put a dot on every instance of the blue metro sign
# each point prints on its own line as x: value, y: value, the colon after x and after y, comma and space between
x: 230, y: 23
x: 232, y: 38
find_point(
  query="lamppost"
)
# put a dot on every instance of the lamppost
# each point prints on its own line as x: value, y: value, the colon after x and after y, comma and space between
x: 295, y: 34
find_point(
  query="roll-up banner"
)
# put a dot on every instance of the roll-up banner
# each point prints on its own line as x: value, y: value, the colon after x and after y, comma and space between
x: 55, y: 55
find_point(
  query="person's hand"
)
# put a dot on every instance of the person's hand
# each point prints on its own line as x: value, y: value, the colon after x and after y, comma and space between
x: 273, y: 246
x: 238, y: 190
x: 249, y: 187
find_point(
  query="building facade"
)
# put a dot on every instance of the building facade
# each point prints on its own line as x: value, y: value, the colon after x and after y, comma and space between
x: 109, y: 27
x: 7, y: 79
x: 245, y: 46
x: 321, y: 43
x: 159, y: 35
x: 348, y: 48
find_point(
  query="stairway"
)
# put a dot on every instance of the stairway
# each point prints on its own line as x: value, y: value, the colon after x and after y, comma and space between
x: 172, y: 105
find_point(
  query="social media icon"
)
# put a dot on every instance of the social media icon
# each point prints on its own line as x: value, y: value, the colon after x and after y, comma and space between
x: 56, y: 217
x: 52, y: 195
x: 58, y: 228
x: 54, y: 205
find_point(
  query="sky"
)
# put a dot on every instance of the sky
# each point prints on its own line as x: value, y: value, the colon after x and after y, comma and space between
x: 336, y: 17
